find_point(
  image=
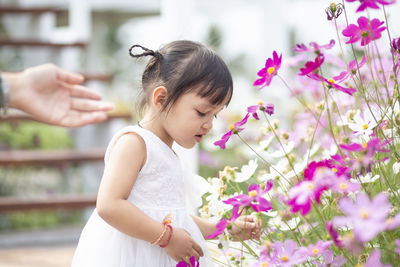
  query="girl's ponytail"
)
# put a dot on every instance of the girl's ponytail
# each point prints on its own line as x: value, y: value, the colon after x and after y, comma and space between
x: 147, y: 52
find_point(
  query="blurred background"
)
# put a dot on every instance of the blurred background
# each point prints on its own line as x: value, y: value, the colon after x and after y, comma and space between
x: 49, y: 175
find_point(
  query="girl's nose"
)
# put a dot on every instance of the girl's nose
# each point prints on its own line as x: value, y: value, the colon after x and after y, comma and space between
x: 208, y: 124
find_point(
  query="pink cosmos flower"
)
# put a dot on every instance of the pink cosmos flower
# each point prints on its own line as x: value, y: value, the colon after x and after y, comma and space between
x: 397, y: 242
x: 351, y: 70
x: 314, y: 250
x: 366, y: 30
x: 288, y: 254
x: 332, y: 83
x: 367, y: 217
x: 267, y: 108
x: 372, y: 4
x: 234, y: 129
x: 374, y: 260
x: 271, y: 68
x: 343, y: 185
x: 314, y: 47
x: 330, y: 260
x: 312, y: 66
x: 254, y: 198
x: 193, y: 263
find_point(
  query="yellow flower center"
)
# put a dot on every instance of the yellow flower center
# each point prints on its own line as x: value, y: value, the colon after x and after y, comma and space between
x: 365, y: 126
x: 285, y: 258
x: 343, y: 186
x: 315, y: 251
x: 230, y: 254
x: 270, y: 70
x: 310, y: 186
x: 364, y: 214
x: 231, y: 127
x: 264, y: 264
x: 252, y: 193
x: 364, y: 145
x: 259, y: 102
x: 359, y: 265
x: 331, y: 80
x: 334, y: 170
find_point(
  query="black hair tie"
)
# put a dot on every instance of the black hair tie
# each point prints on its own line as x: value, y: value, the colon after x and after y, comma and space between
x: 147, y: 52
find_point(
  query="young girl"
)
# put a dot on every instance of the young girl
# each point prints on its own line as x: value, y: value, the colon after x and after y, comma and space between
x: 141, y: 219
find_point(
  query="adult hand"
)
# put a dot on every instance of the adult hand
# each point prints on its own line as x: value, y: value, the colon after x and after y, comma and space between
x: 55, y: 96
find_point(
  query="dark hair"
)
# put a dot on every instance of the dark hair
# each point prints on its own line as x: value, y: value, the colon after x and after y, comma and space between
x: 184, y: 66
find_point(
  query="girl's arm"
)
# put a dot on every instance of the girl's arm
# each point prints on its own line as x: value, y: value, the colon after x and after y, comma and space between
x: 206, y: 227
x: 126, y: 159
x: 124, y: 163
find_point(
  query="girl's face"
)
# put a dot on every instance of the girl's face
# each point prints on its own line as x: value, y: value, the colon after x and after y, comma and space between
x: 190, y: 119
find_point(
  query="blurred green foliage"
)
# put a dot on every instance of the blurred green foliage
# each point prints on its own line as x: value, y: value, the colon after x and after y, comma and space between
x: 33, y: 135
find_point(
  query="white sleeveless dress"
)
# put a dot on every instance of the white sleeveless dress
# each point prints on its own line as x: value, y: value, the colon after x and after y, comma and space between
x: 158, y: 191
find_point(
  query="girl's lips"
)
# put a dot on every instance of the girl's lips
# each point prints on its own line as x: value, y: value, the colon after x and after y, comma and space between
x: 198, y: 137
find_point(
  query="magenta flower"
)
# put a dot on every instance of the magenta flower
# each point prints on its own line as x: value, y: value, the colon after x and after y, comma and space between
x: 367, y: 217
x: 192, y: 263
x: 366, y: 30
x: 332, y: 83
x: 318, y: 177
x: 374, y: 260
x: 314, y: 47
x: 221, y: 225
x: 371, y: 4
x: 396, y: 45
x: 271, y: 68
x: 312, y: 66
x: 373, y: 145
x: 234, y: 129
x: 267, y: 108
x: 334, y: 235
x: 254, y: 198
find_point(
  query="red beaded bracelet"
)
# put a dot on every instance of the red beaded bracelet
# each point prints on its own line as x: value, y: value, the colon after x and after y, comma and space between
x: 171, y: 230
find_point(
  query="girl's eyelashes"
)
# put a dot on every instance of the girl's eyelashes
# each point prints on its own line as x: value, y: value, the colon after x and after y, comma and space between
x: 201, y: 114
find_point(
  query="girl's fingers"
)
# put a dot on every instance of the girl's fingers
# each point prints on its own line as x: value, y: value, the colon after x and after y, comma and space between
x: 198, y: 249
x: 195, y: 254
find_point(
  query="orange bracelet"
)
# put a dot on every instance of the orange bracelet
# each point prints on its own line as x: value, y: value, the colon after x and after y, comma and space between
x: 169, y: 236
x: 166, y: 221
x: 161, y: 236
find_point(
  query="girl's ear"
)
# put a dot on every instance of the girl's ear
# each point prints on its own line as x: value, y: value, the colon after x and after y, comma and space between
x: 159, y: 96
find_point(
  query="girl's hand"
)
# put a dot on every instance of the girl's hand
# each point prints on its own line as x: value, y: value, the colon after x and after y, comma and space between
x: 245, y: 227
x: 182, y: 246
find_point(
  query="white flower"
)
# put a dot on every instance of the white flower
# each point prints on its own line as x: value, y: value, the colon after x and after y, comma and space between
x: 347, y: 118
x: 396, y: 167
x: 283, y: 150
x: 364, y: 125
x: 368, y: 178
x: 246, y: 171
